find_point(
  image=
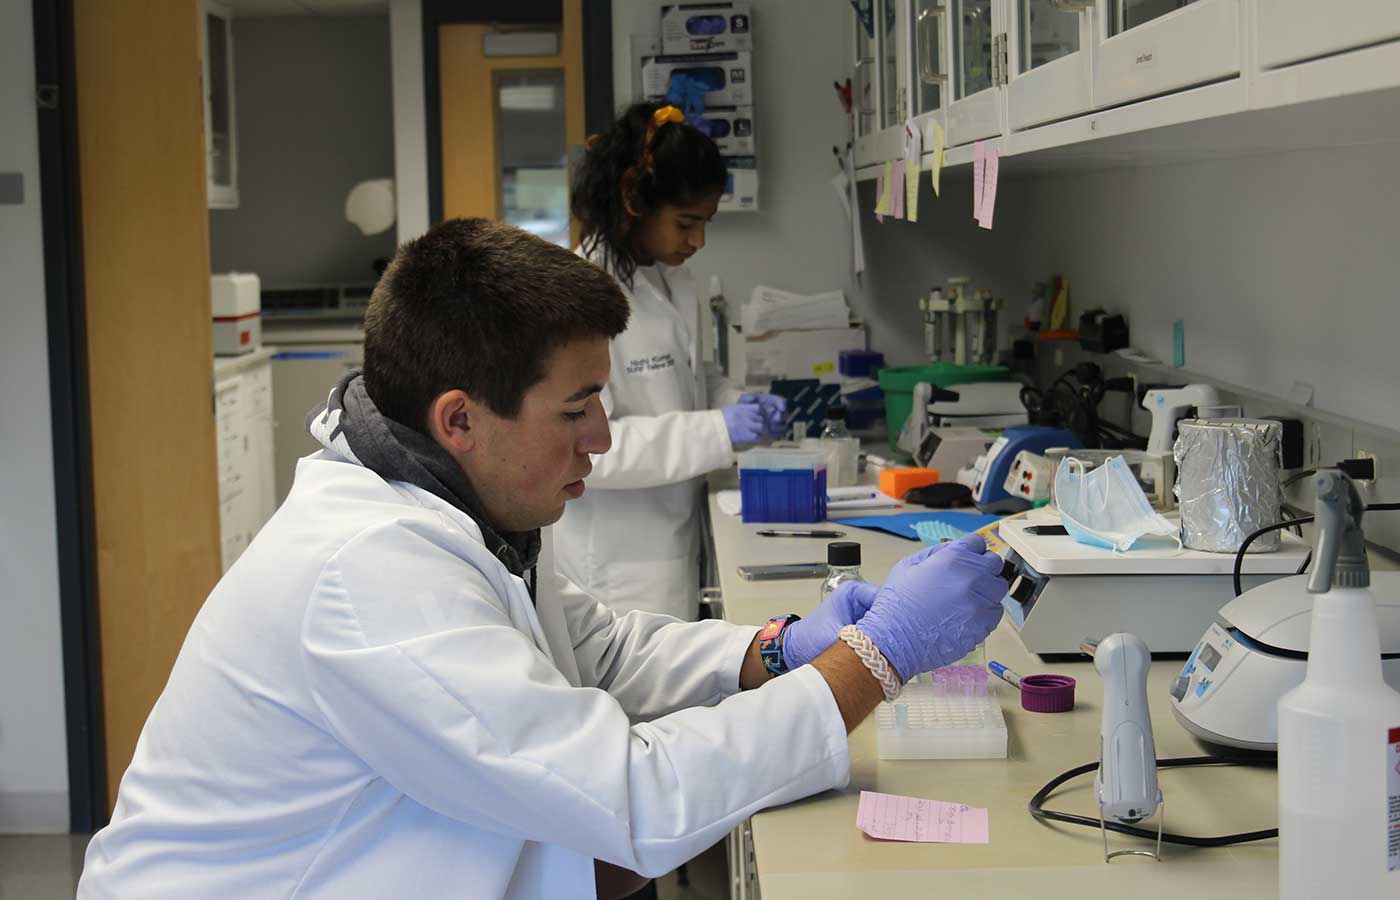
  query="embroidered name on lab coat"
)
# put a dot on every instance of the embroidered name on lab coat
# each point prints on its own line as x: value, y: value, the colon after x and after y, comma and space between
x: 653, y: 363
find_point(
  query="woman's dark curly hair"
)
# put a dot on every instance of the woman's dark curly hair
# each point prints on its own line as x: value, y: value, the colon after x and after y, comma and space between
x: 633, y: 169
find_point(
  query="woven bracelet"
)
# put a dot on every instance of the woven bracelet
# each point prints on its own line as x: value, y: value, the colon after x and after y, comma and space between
x: 874, y: 660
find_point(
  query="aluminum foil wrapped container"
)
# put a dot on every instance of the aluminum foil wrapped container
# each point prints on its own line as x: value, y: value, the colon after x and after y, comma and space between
x: 1228, y: 483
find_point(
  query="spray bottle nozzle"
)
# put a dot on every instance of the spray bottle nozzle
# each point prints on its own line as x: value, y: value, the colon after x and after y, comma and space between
x: 1340, y: 553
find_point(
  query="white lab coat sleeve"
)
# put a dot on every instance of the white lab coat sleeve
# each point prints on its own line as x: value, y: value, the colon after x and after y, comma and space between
x: 649, y: 451
x: 718, y: 388
x: 417, y: 667
x: 653, y: 664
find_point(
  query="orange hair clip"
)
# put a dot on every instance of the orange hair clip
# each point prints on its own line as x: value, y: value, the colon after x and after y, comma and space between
x: 666, y: 114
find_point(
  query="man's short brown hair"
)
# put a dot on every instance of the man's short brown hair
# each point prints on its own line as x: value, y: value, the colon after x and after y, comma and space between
x: 479, y: 306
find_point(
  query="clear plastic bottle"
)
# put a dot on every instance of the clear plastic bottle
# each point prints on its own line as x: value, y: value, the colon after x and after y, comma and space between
x: 1339, y: 731
x: 842, y: 450
x: 843, y: 564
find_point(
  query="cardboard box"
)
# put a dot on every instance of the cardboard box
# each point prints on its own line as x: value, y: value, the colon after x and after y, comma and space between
x: 731, y: 129
x: 741, y: 191
x: 731, y: 73
x: 706, y: 28
x: 792, y: 354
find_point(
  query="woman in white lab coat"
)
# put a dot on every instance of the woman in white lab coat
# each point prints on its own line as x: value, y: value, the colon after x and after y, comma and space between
x: 644, y: 194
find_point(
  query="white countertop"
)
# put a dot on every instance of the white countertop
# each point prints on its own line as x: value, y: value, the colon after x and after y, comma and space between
x: 224, y: 366
x: 812, y: 849
x: 1063, y: 555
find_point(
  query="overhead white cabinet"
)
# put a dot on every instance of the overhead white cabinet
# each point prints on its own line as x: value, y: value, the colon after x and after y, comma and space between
x: 1151, y: 47
x: 977, y: 41
x: 1051, y: 75
x: 1291, y: 31
x: 1038, y: 75
x: 892, y: 43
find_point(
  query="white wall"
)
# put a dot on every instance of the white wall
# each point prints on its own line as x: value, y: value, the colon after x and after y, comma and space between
x: 797, y: 241
x: 410, y: 117
x: 1284, y: 267
x: 33, y: 741
x: 905, y: 260
x: 314, y: 110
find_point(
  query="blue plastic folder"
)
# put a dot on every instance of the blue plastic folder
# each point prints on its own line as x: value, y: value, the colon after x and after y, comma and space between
x: 902, y: 524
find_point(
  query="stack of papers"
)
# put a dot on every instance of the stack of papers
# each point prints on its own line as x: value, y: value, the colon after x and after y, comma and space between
x: 770, y: 309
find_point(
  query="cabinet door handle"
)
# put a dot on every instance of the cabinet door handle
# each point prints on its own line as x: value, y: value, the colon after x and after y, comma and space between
x: 713, y: 597
x: 928, y: 73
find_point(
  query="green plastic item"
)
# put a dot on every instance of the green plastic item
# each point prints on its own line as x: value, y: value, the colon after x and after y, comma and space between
x: 898, y: 386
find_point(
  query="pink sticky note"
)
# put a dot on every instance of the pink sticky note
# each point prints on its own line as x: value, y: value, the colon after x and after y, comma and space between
x: 897, y: 196
x: 979, y: 175
x: 989, y: 188
x: 890, y: 817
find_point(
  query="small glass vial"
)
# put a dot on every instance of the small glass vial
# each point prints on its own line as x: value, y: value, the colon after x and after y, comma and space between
x: 842, y: 450
x: 843, y: 564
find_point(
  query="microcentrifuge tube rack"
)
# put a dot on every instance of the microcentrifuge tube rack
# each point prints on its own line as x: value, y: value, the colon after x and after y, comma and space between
x: 950, y: 713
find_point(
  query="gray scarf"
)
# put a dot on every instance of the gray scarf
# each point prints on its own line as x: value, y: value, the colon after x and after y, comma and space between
x: 349, y: 424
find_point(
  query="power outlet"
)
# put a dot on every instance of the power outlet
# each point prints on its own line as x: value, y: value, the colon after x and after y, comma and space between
x: 1375, y: 463
x: 1382, y: 528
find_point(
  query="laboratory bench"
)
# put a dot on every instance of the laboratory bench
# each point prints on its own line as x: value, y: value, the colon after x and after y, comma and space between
x: 812, y: 849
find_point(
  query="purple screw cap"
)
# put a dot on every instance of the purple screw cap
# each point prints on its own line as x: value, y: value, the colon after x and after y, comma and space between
x: 1047, y: 693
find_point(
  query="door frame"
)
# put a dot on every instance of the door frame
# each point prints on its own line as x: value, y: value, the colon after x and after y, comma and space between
x: 60, y: 201
x: 597, y: 66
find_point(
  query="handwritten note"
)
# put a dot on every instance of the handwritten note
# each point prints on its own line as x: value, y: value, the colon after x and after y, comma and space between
x: 896, y: 183
x: 883, y: 183
x: 913, y: 163
x: 936, y: 165
x: 989, y: 188
x: 893, y: 818
x: 979, y: 177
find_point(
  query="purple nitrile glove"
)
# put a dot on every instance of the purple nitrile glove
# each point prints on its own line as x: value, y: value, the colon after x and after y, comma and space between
x: 773, y: 408
x: 774, y: 411
x: 936, y: 606
x: 744, y: 421
x: 807, y: 638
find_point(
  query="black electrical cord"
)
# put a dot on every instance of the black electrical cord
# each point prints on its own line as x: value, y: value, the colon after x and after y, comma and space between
x: 1289, y: 523
x: 1244, y: 547
x: 1298, y: 476
x: 1036, y: 806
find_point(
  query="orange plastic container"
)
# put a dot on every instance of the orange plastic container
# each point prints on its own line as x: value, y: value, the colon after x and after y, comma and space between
x: 898, y: 482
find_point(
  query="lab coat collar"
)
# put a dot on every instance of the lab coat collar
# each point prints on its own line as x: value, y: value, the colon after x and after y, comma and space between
x: 349, y: 424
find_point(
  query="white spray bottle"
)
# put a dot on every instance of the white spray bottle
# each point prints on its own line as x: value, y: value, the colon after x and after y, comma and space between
x: 1339, y: 731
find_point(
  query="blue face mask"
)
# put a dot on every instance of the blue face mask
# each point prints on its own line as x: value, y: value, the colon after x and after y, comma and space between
x: 1106, y: 507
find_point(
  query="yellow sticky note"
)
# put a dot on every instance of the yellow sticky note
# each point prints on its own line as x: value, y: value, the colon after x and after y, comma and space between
x: 882, y: 205
x: 936, y: 166
x: 911, y: 189
x: 824, y: 368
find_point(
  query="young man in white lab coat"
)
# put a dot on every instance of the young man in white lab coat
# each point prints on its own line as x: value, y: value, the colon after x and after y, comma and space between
x: 373, y: 702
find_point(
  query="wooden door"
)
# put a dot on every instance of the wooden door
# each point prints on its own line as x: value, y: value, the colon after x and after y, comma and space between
x: 490, y: 104
x: 144, y: 232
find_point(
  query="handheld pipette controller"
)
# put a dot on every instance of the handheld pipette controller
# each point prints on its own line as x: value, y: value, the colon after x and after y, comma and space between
x: 1126, y: 784
x: 1168, y: 406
